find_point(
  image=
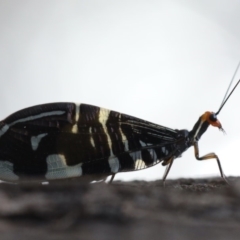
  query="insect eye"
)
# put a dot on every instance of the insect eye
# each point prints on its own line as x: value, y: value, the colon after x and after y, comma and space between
x: 213, y: 117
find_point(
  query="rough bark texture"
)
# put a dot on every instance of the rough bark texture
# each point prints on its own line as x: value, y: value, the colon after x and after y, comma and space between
x: 184, y: 209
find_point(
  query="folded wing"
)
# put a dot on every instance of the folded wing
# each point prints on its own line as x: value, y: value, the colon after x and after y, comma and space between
x: 64, y: 140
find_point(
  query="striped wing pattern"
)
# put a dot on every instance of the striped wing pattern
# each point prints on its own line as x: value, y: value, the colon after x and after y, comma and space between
x: 65, y: 140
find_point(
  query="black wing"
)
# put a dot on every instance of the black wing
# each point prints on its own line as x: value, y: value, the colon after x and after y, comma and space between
x: 64, y: 140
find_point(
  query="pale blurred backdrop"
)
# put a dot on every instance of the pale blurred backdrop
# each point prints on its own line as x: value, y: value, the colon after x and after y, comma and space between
x: 163, y: 61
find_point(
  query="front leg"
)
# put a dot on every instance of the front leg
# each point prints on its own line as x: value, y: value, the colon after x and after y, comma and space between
x: 209, y: 156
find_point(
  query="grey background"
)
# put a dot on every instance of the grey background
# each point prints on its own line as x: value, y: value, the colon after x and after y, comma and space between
x: 164, y: 61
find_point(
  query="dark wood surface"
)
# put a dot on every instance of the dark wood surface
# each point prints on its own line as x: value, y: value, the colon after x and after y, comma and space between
x: 184, y: 209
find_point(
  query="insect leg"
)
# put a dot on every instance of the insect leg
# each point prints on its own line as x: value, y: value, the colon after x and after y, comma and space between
x: 167, y: 169
x: 112, y: 177
x: 209, y: 156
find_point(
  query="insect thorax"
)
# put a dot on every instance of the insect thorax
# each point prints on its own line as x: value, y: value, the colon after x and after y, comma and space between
x: 184, y: 141
x: 198, y: 130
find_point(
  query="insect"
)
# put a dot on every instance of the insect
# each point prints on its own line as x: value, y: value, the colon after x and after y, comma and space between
x: 67, y: 140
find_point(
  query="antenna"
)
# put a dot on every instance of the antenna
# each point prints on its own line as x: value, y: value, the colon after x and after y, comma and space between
x: 230, y: 83
x: 225, y: 96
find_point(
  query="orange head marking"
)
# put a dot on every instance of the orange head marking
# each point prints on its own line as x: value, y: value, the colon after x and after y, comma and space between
x: 211, y: 118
